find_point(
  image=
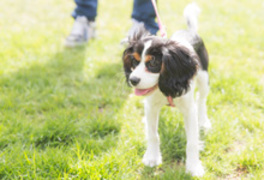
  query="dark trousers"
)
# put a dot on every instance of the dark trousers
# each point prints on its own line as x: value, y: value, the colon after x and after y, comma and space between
x: 143, y: 11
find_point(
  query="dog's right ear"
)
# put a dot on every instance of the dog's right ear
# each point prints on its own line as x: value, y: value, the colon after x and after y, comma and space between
x: 127, y: 64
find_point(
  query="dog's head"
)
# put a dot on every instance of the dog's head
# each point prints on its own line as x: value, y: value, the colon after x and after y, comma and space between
x: 151, y: 62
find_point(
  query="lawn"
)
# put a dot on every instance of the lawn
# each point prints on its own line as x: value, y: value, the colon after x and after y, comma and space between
x: 68, y: 113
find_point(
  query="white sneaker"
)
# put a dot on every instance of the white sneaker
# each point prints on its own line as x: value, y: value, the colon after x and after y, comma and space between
x: 82, y: 31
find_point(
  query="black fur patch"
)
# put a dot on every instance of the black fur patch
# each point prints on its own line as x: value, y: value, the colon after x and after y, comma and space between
x: 179, y: 67
x: 201, y: 51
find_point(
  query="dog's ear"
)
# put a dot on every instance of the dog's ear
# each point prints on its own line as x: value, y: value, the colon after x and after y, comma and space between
x: 178, y: 68
x: 127, y: 64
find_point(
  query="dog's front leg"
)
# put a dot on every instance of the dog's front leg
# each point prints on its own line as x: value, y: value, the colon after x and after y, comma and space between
x: 152, y: 156
x: 193, y: 164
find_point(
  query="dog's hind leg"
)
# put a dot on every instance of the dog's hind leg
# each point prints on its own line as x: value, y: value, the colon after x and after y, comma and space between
x: 203, y: 90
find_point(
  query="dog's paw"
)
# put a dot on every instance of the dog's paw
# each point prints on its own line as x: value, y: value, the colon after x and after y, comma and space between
x: 152, y: 159
x: 196, y: 169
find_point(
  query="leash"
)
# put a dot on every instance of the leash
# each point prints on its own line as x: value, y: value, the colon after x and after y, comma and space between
x: 164, y: 35
x: 161, y: 26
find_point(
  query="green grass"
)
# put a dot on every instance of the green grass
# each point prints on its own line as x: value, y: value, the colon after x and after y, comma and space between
x: 68, y: 114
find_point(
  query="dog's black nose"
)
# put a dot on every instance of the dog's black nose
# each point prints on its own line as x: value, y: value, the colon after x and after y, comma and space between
x: 134, y: 80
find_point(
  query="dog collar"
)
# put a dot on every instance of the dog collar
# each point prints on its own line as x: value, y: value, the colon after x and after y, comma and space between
x: 170, y: 100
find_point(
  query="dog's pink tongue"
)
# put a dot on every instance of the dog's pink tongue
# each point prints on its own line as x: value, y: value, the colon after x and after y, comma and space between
x: 141, y: 92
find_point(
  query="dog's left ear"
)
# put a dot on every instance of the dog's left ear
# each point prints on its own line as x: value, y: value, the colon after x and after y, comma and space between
x: 178, y: 68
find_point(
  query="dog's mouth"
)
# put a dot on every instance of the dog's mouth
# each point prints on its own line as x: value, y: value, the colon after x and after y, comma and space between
x: 144, y: 92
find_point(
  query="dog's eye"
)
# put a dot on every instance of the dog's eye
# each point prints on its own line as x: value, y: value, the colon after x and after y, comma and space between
x: 134, y: 61
x: 153, y: 62
x: 154, y: 65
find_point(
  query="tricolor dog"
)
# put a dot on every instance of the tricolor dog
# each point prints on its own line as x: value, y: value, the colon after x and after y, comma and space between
x: 166, y: 72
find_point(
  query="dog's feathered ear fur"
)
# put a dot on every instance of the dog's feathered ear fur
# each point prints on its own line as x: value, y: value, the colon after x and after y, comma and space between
x: 178, y: 68
x: 127, y: 64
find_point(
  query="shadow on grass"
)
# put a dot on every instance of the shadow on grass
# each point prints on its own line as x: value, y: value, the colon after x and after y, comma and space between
x: 54, y: 105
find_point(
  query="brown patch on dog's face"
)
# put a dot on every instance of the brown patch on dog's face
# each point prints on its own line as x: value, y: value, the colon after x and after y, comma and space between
x: 136, y: 56
x: 148, y: 58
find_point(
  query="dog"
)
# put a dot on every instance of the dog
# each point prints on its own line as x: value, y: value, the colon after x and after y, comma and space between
x: 166, y: 71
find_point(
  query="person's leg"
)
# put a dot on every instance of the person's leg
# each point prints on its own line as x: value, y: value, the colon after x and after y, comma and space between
x: 83, y: 27
x: 143, y: 11
x: 87, y: 8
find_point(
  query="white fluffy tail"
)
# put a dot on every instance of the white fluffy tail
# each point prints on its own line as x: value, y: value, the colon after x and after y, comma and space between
x: 191, y: 13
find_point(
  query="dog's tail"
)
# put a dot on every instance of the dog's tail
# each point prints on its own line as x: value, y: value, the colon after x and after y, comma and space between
x: 191, y: 13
